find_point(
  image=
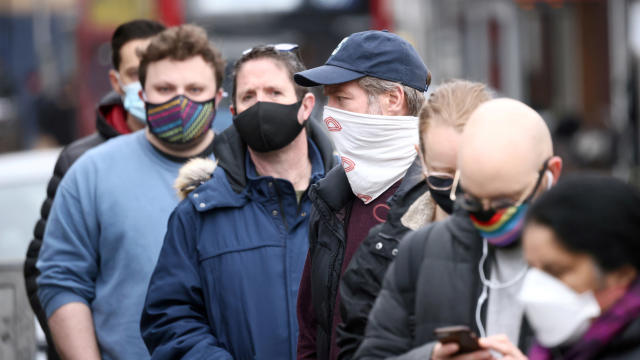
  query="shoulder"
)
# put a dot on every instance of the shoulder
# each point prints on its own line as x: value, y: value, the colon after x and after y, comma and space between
x: 216, y: 193
x: 74, y: 150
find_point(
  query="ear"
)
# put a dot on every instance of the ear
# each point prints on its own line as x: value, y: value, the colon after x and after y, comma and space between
x: 555, y: 166
x: 141, y: 95
x: 393, y: 102
x: 308, y: 101
x: 219, y: 96
x: 232, y: 109
x: 115, y: 84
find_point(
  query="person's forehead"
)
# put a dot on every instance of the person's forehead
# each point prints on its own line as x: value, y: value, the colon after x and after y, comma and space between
x: 541, y: 246
x: 441, y: 146
x: 263, y: 72
x: 351, y: 87
x: 129, y: 52
x: 538, y: 243
x: 190, y: 70
x: 486, y: 179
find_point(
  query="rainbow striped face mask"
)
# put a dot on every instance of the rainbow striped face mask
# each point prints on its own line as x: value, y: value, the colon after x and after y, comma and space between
x: 504, y: 227
x: 180, y: 120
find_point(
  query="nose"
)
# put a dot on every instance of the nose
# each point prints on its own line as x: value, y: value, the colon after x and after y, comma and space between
x: 261, y: 96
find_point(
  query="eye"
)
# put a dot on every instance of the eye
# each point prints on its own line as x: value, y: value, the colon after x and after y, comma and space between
x: 133, y: 75
x: 274, y: 92
x: 196, y: 89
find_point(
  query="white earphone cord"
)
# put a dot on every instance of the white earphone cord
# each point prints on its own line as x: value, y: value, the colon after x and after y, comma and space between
x: 488, y: 284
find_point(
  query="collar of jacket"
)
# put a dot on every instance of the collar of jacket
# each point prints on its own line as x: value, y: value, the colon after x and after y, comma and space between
x: 230, y: 151
x: 412, y: 178
x: 317, y: 168
x: 334, y: 190
x: 102, y: 126
x: 216, y: 193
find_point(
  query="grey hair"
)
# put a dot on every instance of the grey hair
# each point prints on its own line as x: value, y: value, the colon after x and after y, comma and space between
x: 375, y: 86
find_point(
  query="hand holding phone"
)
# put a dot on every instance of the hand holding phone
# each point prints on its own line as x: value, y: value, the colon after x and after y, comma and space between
x: 466, y: 339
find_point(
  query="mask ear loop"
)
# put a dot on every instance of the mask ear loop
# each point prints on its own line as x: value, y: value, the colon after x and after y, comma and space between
x: 488, y: 284
x: 549, y: 179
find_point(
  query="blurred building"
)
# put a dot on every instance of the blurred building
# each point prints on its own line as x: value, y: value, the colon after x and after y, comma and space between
x: 572, y: 60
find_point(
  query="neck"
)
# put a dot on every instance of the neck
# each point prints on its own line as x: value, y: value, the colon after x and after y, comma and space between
x: 134, y: 124
x: 439, y: 214
x: 290, y: 163
x: 182, y: 150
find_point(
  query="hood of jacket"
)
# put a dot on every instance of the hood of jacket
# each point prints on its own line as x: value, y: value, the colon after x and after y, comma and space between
x: 104, y: 125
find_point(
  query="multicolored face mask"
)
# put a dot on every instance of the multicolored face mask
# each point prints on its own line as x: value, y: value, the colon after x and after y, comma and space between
x: 180, y: 120
x: 500, y: 228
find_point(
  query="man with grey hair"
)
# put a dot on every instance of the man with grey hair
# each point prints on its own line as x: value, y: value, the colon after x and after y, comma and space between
x: 375, y: 83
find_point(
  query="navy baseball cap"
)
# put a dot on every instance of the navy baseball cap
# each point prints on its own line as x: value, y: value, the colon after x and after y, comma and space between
x: 375, y: 53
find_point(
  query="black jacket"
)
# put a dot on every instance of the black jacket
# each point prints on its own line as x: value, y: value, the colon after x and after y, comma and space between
x: 433, y: 282
x: 67, y: 157
x: 331, y: 200
x: 362, y: 280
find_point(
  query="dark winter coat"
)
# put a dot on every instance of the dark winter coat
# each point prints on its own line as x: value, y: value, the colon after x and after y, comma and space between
x: 104, y: 131
x: 433, y: 282
x: 227, y: 278
x: 411, y: 207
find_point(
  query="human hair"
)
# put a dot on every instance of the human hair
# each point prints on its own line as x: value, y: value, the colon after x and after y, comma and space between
x: 289, y: 59
x: 375, y: 86
x: 595, y: 215
x: 451, y: 104
x: 181, y: 43
x: 132, y: 30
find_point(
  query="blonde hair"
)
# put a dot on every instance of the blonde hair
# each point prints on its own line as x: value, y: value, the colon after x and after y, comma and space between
x: 451, y: 104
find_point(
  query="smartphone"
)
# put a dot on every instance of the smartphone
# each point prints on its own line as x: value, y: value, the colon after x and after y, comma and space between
x: 462, y: 335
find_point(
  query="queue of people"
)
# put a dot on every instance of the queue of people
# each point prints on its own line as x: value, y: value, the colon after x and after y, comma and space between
x: 362, y: 235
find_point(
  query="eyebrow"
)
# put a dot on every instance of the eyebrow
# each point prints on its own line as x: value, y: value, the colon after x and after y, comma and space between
x: 328, y: 90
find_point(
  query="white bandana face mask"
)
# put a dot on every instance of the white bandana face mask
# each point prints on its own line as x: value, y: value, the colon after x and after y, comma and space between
x: 557, y: 314
x: 376, y: 150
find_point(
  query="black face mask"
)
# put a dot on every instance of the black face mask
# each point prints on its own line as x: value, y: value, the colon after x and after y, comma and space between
x: 442, y: 198
x: 268, y: 126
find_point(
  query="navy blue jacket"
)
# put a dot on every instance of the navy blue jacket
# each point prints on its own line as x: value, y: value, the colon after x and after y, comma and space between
x: 227, y: 279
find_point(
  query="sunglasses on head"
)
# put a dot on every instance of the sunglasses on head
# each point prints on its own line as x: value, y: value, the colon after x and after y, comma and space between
x: 282, y: 47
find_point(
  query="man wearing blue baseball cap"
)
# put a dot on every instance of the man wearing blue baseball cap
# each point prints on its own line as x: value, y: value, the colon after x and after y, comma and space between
x: 375, y: 83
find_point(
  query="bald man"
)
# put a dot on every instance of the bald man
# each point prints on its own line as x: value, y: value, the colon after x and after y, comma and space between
x: 467, y: 270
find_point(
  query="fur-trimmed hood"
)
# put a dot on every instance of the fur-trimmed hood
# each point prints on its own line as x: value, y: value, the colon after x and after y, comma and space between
x: 192, y: 174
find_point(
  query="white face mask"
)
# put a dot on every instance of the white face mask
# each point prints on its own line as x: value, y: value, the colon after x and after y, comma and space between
x: 376, y: 150
x: 557, y: 314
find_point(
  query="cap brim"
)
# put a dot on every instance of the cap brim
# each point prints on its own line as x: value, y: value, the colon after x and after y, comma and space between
x: 325, y: 75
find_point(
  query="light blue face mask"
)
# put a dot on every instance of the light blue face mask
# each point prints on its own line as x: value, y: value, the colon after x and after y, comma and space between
x: 132, y: 102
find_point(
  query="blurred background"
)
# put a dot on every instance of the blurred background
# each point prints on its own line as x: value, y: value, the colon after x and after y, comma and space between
x: 576, y: 62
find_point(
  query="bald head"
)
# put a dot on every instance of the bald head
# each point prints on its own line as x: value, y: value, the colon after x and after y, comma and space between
x: 502, y: 148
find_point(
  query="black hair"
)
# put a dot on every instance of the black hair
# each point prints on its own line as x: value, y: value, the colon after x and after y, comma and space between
x: 290, y: 60
x: 595, y: 215
x: 132, y: 30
